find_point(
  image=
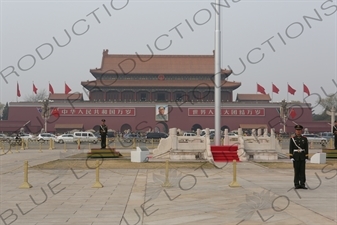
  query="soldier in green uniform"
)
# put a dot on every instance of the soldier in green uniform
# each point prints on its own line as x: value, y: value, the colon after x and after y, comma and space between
x: 298, y: 152
x: 103, y: 130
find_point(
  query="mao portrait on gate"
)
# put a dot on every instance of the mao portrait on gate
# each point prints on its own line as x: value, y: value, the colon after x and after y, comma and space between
x: 161, y: 113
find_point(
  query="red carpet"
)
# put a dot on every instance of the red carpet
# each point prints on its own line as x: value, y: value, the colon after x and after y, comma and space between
x: 226, y: 153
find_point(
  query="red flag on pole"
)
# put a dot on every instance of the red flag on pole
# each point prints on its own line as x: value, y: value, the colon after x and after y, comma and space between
x: 260, y: 89
x: 306, y: 89
x: 51, y: 89
x: 18, y: 93
x: 292, y: 113
x: 67, y: 89
x: 34, y: 89
x: 55, y: 112
x: 291, y: 90
x: 275, y: 89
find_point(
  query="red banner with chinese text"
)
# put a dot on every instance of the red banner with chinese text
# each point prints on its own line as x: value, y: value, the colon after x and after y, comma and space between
x: 227, y: 112
x: 97, y: 111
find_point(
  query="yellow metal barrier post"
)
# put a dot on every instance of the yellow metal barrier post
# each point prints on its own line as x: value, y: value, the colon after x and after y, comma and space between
x: 22, y: 144
x: 97, y: 184
x: 10, y: 148
x: 17, y: 147
x: 2, y: 146
x: 134, y: 143
x: 25, y: 184
x: 234, y: 182
x: 167, y: 182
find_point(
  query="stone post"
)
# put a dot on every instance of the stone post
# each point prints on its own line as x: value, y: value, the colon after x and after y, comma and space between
x: 226, y: 138
x: 198, y: 132
x: 274, y: 143
x: 174, y: 138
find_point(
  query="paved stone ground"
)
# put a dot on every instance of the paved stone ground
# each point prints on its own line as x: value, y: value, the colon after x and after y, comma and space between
x: 137, y: 196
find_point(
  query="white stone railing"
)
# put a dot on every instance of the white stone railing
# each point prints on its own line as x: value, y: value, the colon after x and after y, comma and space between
x: 183, y: 147
x: 258, y: 146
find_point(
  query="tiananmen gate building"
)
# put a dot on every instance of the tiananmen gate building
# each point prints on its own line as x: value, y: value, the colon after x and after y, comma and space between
x: 130, y: 92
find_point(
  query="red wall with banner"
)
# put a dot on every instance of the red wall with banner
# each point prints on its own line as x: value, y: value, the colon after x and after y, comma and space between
x: 142, y: 117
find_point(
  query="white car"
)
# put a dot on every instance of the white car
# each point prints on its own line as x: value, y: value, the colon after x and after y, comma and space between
x: 85, y: 137
x: 65, y: 138
x: 4, y: 137
x: 27, y: 137
x: 46, y: 137
x: 231, y: 134
x: 315, y: 138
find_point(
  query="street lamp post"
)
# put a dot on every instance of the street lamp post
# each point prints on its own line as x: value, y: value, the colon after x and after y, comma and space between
x: 45, y: 112
x: 284, y: 114
x: 332, y: 113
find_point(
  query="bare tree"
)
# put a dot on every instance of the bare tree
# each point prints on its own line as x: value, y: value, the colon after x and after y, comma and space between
x: 41, y: 95
x: 328, y: 102
x: 1, y: 109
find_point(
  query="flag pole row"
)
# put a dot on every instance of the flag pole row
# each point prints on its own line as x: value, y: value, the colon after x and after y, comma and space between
x: 67, y: 89
x: 276, y: 90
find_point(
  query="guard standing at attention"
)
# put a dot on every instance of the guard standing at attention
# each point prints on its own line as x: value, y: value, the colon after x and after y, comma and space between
x: 103, y: 130
x: 298, y: 152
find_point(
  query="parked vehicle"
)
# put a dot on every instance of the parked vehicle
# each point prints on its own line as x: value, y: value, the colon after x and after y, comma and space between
x: 327, y: 135
x: 203, y: 132
x: 4, y: 137
x: 65, y: 138
x: 189, y: 134
x: 156, y: 135
x: 28, y: 137
x: 85, y: 137
x: 130, y: 136
x: 46, y: 137
x: 110, y: 134
x: 98, y: 135
x: 316, y: 138
x: 15, y: 141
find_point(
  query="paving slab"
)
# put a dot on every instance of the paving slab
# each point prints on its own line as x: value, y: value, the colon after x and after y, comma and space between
x: 139, y: 196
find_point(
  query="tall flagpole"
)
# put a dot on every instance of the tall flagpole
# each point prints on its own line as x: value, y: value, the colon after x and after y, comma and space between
x: 287, y: 92
x: 303, y: 92
x: 217, y: 77
x: 272, y: 92
x: 17, y: 91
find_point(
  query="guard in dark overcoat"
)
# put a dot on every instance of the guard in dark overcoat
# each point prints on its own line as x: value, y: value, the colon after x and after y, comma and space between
x: 298, y: 152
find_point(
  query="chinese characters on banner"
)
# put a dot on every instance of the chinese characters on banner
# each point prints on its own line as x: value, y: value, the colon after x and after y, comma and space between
x: 97, y: 111
x: 227, y: 112
x: 132, y: 111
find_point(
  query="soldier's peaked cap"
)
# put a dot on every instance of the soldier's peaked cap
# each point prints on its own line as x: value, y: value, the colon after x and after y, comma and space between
x: 103, y: 120
x: 298, y: 127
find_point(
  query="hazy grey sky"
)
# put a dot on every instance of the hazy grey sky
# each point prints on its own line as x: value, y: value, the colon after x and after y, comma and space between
x: 275, y: 40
